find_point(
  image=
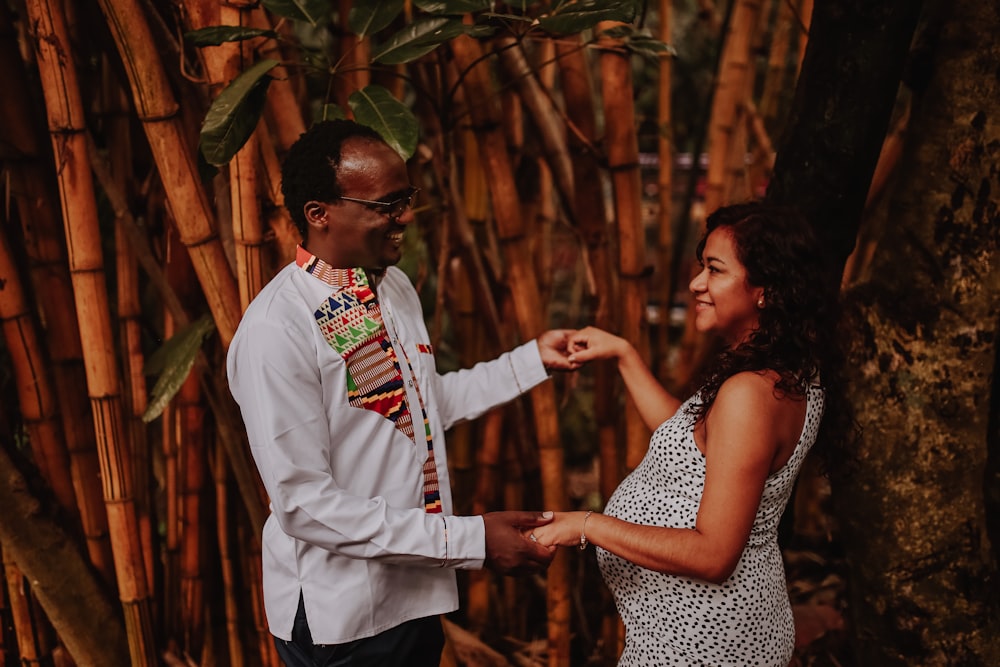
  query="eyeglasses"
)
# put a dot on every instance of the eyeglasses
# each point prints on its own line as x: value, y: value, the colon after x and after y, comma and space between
x: 391, y: 209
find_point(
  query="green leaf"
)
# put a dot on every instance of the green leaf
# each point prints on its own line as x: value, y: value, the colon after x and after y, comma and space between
x: 452, y: 7
x: 312, y: 11
x: 648, y: 47
x: 420, y: 37
x: 234, y: 114
x: 366, y: 18
x: 375, y: 107
x: 640, y: 42
x: 218, y: 34
x: 173, y: 362
x: 579, y: 16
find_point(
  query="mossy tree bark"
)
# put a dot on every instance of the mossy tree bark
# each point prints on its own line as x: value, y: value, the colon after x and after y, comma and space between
x: 923, y: 366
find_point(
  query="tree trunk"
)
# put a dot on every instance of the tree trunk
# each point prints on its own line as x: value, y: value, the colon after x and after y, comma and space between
x: 840, y: 113
x: 73, y: 599
x: 923, y: 366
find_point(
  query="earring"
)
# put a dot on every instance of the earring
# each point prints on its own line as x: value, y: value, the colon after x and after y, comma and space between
x: 760, y: 303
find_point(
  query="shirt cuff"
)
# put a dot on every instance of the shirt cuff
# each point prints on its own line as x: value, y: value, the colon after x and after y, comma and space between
x: 465, y: 542
x: 526, y: 365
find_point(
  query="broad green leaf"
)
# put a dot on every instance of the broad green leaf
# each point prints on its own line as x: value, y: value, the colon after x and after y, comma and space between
x: 452, y: 7
x: 576, y: 17
x: 173, y: 362
x: 218, y: 34
x: 420, y: 37
x: 375, y: 107
x: 312, y: 11
x: 366, y: 18
x: 234, y: 114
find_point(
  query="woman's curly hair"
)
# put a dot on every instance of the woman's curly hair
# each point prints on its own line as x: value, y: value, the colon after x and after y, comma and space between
x: 796, y: 335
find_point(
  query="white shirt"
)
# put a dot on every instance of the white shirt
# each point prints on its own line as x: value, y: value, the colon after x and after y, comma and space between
x: 347, y: 526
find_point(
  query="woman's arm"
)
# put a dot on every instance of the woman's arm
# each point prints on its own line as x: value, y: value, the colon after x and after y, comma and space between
x: 742, y: 440
x: 655, y: 404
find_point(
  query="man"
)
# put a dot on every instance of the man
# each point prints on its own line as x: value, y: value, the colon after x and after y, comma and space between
x: 346, y: 414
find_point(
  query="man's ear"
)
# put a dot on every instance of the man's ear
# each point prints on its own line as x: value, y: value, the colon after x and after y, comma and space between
x: 315, y: 213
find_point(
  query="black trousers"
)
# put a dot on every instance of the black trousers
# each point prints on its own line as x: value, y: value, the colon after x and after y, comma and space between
x: 416, y: 643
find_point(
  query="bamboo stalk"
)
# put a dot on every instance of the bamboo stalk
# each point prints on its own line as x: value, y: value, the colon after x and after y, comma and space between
x: 731, y: 91
x: 602, y: 280
x: 777, y: 63
x: 546, y: 211
x: 43, y: 232
x: 157, y: 109
x: 227, y: 566
x: 64, y: 110
x: 543, y: 114
x: 665, y: 192
x: 130, y: 319
x: 286, y: 236
x: 31, y: 644
x: 762, y: 163
x: 622, y: 145
x: 172, y: 601
x: 859, y: 261
x: 284, y: 111
x: 708, y: 13
x: 521, y: 282
x: 34, y: 390
x: 191, y: 435
x: 352, y: 59
x: 8, y: 653
x: 485, y: 500
x: 805, y: 12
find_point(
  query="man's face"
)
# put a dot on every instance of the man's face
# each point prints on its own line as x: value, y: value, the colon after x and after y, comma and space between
x: 359, y: 233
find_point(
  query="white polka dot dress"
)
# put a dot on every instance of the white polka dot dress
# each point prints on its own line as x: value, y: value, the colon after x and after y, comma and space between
x: 672, y: 620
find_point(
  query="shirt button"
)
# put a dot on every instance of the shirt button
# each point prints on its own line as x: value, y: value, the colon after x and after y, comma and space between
x: 410, y: 383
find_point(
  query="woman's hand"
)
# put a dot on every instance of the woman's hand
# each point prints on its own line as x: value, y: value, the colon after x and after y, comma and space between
x: 592, y: 343
x: 564, y: 530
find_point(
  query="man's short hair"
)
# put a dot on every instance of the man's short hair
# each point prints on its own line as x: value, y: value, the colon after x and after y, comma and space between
x: 309, y: 172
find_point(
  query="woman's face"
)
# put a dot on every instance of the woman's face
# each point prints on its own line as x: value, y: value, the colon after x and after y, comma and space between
x: 724, y: 301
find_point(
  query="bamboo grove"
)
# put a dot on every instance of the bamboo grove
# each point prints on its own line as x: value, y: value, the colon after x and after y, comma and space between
x: 141, y: 144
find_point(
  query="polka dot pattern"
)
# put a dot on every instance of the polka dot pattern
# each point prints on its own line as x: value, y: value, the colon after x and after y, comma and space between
x: 673, y: 620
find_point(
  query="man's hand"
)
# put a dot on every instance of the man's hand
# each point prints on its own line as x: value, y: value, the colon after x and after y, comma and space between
x: 508, y: 551
x: 554, y: 348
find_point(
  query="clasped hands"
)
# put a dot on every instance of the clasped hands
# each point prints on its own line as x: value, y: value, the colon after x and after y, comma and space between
x: 569, y: 349
x: 521, y: 542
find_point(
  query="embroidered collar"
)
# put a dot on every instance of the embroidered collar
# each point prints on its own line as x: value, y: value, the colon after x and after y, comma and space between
x: 339, y: 279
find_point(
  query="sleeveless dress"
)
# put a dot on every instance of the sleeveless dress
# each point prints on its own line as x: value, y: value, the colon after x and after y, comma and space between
x: 674, y: 620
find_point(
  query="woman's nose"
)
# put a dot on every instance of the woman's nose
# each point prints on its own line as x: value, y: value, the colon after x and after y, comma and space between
x: 697, y: 283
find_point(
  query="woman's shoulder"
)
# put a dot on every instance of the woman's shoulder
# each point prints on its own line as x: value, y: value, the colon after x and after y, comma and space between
x: 757, y: 391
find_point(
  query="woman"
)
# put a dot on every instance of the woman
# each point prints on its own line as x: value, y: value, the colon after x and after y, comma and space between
x: 688, y: 542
